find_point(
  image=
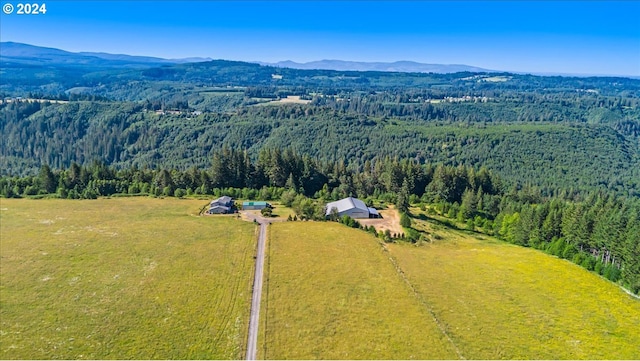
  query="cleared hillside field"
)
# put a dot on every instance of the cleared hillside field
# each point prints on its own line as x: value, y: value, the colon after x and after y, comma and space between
x: 127, y: 278
x: 333, y: 294
x: 500, y: 301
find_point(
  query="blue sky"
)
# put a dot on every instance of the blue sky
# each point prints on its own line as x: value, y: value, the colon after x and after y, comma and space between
x: 580, y: 37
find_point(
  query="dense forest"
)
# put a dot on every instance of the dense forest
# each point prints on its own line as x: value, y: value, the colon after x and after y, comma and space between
x: 546, y: 162
x: 549, y: 155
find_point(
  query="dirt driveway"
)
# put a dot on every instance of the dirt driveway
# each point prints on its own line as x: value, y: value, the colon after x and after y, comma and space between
x: 390, y: 221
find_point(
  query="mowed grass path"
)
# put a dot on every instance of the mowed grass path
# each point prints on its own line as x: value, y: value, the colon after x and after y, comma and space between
x: 500, y: 301
x: 332, y: 293
x: 128, y: 278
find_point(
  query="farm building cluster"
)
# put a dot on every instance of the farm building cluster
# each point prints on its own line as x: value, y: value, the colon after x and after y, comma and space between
x: 226, y: 205
x: 349, y: 206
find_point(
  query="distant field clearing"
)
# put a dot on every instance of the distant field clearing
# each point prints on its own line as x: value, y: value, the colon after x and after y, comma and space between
x: 129, y: 278
x: 291, y: 99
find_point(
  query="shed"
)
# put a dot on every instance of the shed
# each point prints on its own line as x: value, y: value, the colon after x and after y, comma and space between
x: 255, y: 205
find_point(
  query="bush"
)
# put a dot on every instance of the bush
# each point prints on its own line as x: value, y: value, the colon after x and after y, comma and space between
x: 599, y: 267
x: 556, y: 247
x: 405, y: 220
x: 348, y: 221
x: 469, y: 225
x: 412, y: 235
x: 588, y: 262
x: 179, y: 193
x: 612, y: 273
x: 569, y: 251
x: 266, y: 212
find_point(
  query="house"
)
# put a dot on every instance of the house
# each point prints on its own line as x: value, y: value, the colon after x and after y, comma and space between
x: 224, y: 201
x: 221, y: 205
x: 255, y: 205
x: 219, y: 210
x: 353, y: 208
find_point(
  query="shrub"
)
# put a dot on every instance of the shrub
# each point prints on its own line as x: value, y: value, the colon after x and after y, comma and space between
x: 469, y: 225
x: 31, y: 191
x: 266, y: 212
x: 556, y: 247
x: 599, y: 267
x: 405, y: 220
x: 612, y: 273
x: 412, y: 235
x: 569, y: 251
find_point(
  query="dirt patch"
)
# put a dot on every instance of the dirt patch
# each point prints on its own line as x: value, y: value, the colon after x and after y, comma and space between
x: 291, y: 99
x: 390, y: 220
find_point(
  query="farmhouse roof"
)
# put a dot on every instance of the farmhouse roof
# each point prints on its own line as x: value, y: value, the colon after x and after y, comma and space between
x: 226, y: 209
x: 222, y: 200
x: 347, y: 204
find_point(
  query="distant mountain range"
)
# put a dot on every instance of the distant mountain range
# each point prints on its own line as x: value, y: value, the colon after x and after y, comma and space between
x: 398, y: 66
x: 25, y: 54
x: 37, y: 55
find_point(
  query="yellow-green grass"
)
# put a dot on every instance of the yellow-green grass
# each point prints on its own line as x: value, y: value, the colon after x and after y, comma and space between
x: 281, y: 211
x: 332, y: 293
x: 499, y: 301
x: 127, y: 278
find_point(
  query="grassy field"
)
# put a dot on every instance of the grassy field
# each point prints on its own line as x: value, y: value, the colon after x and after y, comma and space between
x: 333, y: 294
x: 502, y: 301
x: 128, y: 278
x: 144, y: 278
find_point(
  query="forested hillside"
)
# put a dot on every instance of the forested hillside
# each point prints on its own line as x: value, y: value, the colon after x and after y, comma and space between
x: 546, y: 154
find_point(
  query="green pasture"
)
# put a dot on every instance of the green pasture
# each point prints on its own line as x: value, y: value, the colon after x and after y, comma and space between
x: 500, y: 301
x: 127, y: 278
x: 336, y: 292
x: 146, y: 278
x: 333, y: 294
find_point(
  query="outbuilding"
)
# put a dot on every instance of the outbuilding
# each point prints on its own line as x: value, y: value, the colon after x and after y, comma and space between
x: 352, y: 207
x: 255, y: 205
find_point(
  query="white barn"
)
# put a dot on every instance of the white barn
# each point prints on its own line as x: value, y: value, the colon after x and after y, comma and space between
x: 353, y: 208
